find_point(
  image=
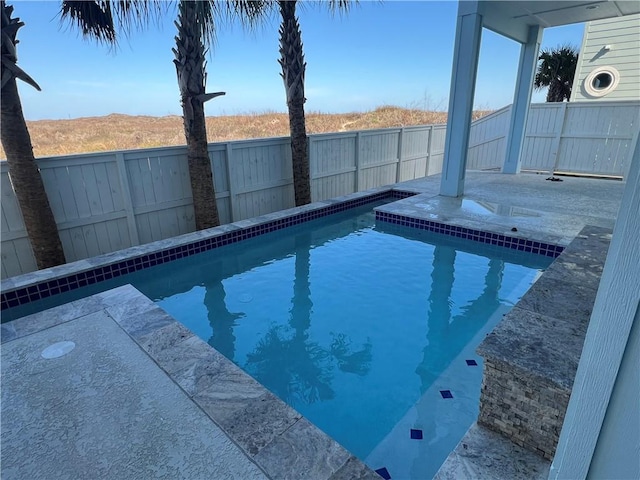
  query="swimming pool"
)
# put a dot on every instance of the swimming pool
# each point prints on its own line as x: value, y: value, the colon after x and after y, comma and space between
x: 368, y: 330
x: 365, y: 328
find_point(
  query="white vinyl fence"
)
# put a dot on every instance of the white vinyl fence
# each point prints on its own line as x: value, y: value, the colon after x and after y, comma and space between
x: 104, y: 202
x: 594, y: 138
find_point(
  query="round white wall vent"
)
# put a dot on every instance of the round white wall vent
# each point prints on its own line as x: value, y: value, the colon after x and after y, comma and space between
x: 601, y: 81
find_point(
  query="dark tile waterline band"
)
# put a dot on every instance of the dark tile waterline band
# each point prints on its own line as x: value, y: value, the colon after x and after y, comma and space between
x: 24, y: 295
x: 516, y: 243
x: 44, y: 289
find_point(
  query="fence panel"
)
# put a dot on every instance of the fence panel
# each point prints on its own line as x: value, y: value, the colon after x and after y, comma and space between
x: 17, y: 256
x: 542, y: 136
x: 487, y: 141
x: 378, y: 156
x: 332, y: 159
x: 86, y: 198
x: 414, y: 153
x: 436, y: 149
x: 597, y: 139
x: 160, y: 193
x: 262, y: 177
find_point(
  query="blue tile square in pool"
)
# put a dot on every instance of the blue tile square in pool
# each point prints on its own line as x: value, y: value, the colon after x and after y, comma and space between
x: 416, y: 434
x: 446, y: 394
x: 472, y: 363
x: 384, y: 473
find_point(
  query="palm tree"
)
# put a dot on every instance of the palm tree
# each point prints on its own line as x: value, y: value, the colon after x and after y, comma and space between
x: 196, y: 26
x: 293, y: 70
x: 190, y: 68
x: 16, y: 141
x: 556, y: 70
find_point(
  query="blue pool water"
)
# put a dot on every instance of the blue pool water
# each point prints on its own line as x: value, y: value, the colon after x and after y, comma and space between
x: 355, y: 325
x: 366, y: 329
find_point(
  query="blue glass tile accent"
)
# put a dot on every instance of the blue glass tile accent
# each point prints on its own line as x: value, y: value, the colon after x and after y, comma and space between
x: 446, y: 394
x: 35, y: 296
x: 384, y: 473
x: 416, y: 434
x: 472, y: 363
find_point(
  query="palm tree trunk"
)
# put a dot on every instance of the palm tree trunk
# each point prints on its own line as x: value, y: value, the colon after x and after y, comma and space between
x: 190, y: 68
x: 200, y: 173
x: 27, y: 182
x: 293, y: 69
x: 555, y: 93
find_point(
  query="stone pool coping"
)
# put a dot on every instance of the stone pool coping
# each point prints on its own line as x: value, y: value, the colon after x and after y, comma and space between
x: 544, y: 332
x: 411, y: 210
x: 272, y: 435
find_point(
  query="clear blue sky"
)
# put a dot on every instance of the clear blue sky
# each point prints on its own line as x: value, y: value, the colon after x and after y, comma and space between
x: 380, y: 53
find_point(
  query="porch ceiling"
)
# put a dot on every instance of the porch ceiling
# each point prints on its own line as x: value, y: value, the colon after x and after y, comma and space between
x: 512, y: 18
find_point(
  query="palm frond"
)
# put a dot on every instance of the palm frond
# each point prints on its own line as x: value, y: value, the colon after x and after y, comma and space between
x: 8, y: 41
x: 101, y: 19
x: 556, y: 70
x: 94, y: 19
x: 210, y: 14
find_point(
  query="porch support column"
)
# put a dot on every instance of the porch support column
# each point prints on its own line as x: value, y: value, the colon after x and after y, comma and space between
x: 522, y: 98
x: 463, y: 82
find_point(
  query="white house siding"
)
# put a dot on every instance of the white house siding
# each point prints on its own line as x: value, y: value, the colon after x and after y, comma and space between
x: 622, y: 35
x: 600, y: 438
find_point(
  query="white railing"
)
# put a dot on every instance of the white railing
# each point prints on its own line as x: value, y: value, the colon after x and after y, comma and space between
x: 104, y: 202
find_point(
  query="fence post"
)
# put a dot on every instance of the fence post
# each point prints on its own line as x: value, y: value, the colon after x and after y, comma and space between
x: 232, y: 189
x: 126, y: 199
x: 357, y: 159
x: 555, y: 148
x: 429, y: 145
x: 399, y: 168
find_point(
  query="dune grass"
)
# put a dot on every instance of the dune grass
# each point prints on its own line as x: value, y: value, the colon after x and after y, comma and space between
x: 123, y: 132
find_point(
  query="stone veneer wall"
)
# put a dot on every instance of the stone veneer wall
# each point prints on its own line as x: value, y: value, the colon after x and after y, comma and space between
x: 526, y: 408
x: 532, y: 355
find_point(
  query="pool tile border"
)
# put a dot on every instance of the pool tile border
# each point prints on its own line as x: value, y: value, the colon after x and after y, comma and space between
x: 242, y: 230
x: 515, y: 243
x: 104, y: 267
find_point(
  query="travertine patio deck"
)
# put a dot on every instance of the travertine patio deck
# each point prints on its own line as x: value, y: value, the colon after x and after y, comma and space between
x: 133, y: 363
x: 141, y: 397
